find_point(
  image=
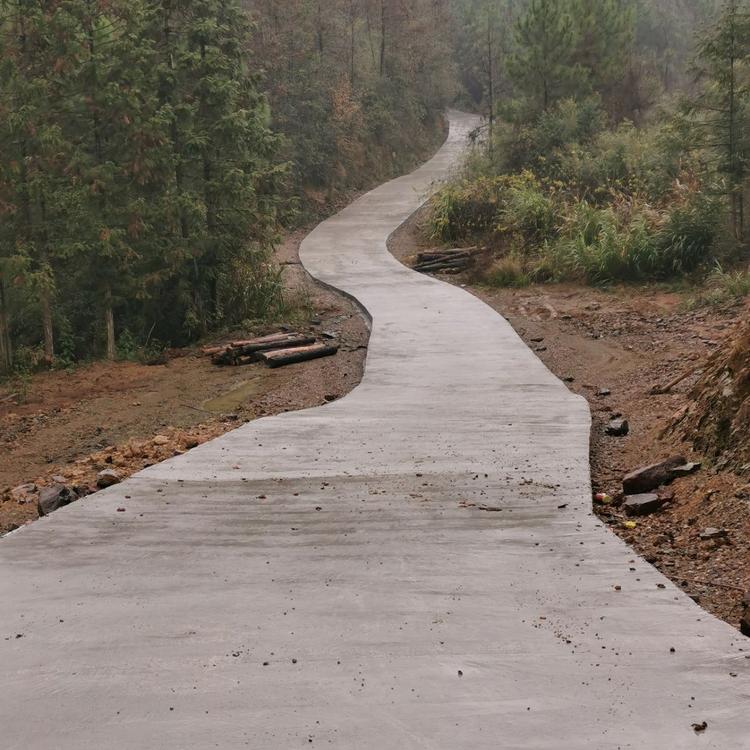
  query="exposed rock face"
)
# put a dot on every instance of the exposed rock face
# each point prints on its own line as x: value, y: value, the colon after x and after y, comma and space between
x: 716, y: 422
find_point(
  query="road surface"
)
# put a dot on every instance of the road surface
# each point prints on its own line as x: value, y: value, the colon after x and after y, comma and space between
x: 413, y: 566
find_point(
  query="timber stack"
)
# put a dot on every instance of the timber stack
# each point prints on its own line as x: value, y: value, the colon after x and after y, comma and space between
x: 275, y: 350
x: 446, y: 261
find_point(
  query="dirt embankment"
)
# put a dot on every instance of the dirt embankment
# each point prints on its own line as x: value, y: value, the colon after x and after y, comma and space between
x: 627, y: 340
x: 126, y: 416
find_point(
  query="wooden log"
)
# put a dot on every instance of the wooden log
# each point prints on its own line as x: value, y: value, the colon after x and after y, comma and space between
x: 268, y: 343
x: 209, y: 351
x: 282, y: 357
x: 238, y: 351
x: 442, y: 266
x: 225, y: 357
x: 281, y: 336
x: 429, y: 255
x: 434, y: 258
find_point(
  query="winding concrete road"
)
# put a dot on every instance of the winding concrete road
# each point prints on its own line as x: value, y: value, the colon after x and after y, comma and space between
x: 328, y: 578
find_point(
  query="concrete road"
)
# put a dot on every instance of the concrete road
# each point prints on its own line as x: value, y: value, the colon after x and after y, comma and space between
x: 413, y: 566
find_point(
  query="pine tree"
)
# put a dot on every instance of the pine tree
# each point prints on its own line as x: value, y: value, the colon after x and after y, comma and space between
x: 604, y: 45
x: 720, y: 115
x: 543, y: 65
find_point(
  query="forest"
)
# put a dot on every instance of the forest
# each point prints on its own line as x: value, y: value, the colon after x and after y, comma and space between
x: 154, y: 151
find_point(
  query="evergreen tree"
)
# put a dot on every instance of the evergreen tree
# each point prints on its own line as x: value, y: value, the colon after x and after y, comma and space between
x: 604, y: 44
x: 720, y: 113
x: 543, y: 65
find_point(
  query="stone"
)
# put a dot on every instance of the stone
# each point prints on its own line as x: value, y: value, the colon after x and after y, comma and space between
x: 23, y: 491
x: 59, y: 479
x: 713, y: 533
x: 642, y: 505
x: 54, y: 497
x: 604, y: 392
x: 650, y: 477
x: 686, y: 470
x: 617, y: 428
x: 107, y: 478
x: 160, y: 440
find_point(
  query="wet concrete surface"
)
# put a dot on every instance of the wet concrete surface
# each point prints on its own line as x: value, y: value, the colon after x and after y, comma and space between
x: 413, y: 566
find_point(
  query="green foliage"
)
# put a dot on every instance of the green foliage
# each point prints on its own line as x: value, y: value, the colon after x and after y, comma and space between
x: 140, y: 180
x: 722, y: 287
x: 507, y: 272
x: 543, y: 66
x: 577, y: 200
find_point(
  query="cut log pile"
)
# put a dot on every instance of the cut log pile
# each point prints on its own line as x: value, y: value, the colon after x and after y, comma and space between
x: 446, y: 261
x: 275, y: 350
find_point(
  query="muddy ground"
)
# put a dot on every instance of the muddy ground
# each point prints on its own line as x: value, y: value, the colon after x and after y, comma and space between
x: 628, y: 340
x: 117, y: 415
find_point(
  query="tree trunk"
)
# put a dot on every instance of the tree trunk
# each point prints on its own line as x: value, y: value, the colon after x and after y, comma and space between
x: 49, y: 336
x: 491, y: 81
x: 109, y: 322
x: 6, y: 351
x: 382, y: 37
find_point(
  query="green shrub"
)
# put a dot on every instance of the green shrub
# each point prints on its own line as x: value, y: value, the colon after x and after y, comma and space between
x: 507, y: 272
x: 527, y: 210
x: 467, y: 208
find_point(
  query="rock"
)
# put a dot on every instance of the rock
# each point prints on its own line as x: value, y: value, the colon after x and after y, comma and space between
x: 160, y: 440
x: 648, y: 478
x: 59, y: 479
x: 328, y: 335
x: 569, y: 379
x: 107, y: 478
x: 604, y: 392
x: 617, y: 428
x: 713, y: 533
x: 686, y: 469
x: 642, y: 505
x: 23, y: 491
x: 54, y: 497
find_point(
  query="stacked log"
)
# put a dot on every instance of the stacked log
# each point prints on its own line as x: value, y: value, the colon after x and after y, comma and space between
x: 281, y: 357
x: 276, y: 350
x: 445, y: 261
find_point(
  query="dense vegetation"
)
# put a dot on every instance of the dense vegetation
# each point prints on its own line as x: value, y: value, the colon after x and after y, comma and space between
x: 154, y: 150
x: 611, y: 155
